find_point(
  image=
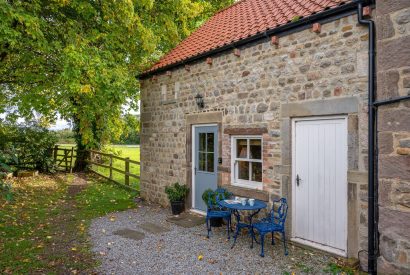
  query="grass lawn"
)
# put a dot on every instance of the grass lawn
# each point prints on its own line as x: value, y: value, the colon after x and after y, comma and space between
x: 124, y: 151
x: 44, y: 229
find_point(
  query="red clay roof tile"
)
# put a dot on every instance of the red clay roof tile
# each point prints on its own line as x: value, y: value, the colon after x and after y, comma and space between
x: 241, y: 20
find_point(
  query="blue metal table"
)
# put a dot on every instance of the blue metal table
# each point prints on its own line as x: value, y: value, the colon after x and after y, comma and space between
x: 235, y: 208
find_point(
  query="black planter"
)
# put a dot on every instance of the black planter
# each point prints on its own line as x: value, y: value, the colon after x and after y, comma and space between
x: 177, y: 207
x: 216, y: 222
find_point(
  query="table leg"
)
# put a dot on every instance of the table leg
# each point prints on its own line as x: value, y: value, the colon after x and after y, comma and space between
x: 238, y: 220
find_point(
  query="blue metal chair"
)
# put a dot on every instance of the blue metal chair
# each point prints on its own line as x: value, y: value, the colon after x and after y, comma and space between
x: 274, y: 222
x: 214, y: 210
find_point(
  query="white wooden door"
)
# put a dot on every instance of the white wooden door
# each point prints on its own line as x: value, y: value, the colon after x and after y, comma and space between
x: 320, y: 183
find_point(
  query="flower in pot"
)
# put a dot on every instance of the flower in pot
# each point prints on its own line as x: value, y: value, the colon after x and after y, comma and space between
x: 176, y: 195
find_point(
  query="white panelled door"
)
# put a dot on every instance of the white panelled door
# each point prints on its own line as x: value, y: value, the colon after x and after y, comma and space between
x: 320, y: 183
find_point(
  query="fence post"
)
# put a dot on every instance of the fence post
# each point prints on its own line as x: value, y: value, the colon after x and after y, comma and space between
x: 127, y: 171
x: 66, y: 159
x: 55, y: 153
x: 110, y: 167
x: 71, y: 162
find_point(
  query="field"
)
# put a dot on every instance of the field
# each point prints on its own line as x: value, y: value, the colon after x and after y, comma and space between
x: 124, y: 151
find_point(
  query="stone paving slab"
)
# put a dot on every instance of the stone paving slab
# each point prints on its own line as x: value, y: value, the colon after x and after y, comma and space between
x: 130, y: 234
x: 153, y: 228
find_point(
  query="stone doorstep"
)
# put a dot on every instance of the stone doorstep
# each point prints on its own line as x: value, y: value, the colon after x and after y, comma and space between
x: 186, y: 219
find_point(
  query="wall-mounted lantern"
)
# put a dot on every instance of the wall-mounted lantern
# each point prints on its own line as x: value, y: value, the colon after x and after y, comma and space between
x: 199, y: 100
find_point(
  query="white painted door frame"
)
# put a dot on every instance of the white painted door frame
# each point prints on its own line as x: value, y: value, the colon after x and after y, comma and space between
x: 193, y: 158
x: 293, y: 178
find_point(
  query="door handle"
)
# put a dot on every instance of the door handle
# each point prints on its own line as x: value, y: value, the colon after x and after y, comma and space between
x: 297, y: 180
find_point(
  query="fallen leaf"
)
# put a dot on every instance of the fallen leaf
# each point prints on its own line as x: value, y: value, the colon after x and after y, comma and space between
x: 200, y: 257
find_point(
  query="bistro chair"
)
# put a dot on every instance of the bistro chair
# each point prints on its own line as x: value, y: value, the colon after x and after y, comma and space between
x: 274, y: 222
x: 214, y: 210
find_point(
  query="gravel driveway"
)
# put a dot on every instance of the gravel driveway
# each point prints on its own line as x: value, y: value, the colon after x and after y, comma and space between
x: 126, y: 245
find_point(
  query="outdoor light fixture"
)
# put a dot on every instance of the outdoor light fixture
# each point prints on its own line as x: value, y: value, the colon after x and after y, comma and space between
x: 199, y: 100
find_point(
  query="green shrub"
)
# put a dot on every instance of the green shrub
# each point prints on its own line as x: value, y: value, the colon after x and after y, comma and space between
x: 176, y: 192
x: 209, y: 195
x: 5, y: 187
x: 30, y: 144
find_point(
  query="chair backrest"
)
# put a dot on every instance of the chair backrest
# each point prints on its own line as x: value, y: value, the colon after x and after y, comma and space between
x: 279, y: 216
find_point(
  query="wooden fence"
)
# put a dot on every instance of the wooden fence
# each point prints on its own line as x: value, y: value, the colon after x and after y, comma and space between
x: 96, y: 157
x: 65, y: 158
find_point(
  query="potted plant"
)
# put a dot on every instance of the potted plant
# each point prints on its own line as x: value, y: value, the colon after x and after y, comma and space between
x: 176, y: 195
x: 209, y: 197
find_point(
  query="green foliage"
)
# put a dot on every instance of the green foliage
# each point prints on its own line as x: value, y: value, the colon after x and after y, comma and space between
x: 209, y: 196
x: 65, y: 136
x: 131, y: 131
x: 79, y: 58
x: 177, y: 192
x: 27, y: 146
x: 335, y: 269
x: 5, y: 187
x: 296, y: 18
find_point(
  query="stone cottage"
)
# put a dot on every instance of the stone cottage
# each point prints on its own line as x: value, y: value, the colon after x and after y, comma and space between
x: 269, y: 99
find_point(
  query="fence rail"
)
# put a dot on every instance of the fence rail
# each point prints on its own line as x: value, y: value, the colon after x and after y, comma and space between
x: 96, y: 158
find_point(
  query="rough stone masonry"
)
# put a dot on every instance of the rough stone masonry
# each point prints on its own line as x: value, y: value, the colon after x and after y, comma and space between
x: 393, y: 74
x: 259, y: 91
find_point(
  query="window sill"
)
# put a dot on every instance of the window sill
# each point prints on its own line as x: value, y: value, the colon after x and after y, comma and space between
x: 247, y: 192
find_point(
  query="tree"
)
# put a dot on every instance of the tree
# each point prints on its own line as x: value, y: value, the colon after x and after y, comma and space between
x: 79, y: 58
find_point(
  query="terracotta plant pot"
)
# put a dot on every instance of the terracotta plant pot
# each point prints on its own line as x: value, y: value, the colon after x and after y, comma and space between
x: 177, y: 207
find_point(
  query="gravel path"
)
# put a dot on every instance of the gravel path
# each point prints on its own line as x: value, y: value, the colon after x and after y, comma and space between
x: 179, y: 250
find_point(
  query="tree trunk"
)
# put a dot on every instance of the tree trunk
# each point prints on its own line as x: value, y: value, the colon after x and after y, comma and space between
x: 80, y: 164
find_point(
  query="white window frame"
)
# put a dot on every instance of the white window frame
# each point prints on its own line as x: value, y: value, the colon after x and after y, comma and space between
x: 234, y: 159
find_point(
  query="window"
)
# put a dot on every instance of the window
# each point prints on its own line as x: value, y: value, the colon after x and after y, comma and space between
x: 206, y: 152
x: 247, y: 162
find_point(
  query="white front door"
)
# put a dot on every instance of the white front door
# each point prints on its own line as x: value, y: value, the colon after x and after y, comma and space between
x: 319, y: 183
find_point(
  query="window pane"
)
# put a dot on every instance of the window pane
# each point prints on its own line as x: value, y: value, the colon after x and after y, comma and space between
x: 210, y: 140
x: 243, y: 170
x: 210, y: 167
x: 256, y: 171
x: 241, y: 148
x: 202, y: 140
x: 255, y: 149
x: 202, y: 161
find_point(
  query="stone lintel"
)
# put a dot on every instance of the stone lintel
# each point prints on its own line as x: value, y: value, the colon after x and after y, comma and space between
x: 336, y: 106
x: 245, y: 131
x: 201, y: 118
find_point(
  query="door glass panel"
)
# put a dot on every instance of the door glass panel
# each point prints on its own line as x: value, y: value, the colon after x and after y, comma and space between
x: 255, y: 148
x: 202, y: 161
x: 210, y: 162
x: 243, y: 170
x: 256, y: 171
x: 202, y: 142
x: 210, y: 141
x: 241, y: 148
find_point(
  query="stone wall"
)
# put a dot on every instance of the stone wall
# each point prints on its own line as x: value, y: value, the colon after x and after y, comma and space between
x: 307, y: 74
x: 393, y: 58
